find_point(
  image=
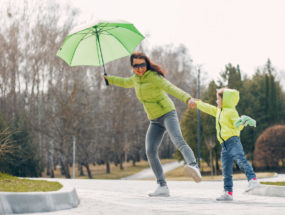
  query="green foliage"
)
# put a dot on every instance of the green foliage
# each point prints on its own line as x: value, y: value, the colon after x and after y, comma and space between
x: 189, y: 126
x: 21, y: 159
x: 262, y: 99
x: 231, y: 77
x: 278, y: 183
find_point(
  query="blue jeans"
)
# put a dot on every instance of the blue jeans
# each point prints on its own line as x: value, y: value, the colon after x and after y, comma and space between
x: 157, y: 127
x: 232, y: 150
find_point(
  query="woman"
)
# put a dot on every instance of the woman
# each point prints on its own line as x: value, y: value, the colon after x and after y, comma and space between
x: 151, y: 88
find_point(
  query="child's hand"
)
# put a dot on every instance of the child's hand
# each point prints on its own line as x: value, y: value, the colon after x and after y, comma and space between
x: 191, y: 103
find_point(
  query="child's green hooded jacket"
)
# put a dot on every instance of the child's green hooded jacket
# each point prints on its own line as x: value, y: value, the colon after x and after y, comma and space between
x: 225, y: 116
x: 151, y: 89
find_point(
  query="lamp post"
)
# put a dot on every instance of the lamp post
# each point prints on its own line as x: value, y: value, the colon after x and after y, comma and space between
x: 74, y: 151
x: 198, y: 123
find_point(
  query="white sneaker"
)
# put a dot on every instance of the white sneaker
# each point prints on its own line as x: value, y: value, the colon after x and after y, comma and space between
x: 252, y: 184
x: 194, y: 172
x: 225, y: 197
x: 160, y: 191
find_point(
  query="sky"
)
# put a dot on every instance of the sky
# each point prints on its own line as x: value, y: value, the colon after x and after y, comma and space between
x: 216, y: 32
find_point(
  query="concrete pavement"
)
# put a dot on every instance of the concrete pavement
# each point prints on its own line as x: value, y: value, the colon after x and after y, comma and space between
x: 122, y: 197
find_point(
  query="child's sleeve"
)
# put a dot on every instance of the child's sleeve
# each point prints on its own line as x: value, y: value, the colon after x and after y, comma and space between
x: 121, y: 82
x: 207, y: 108
x: 234, y: 117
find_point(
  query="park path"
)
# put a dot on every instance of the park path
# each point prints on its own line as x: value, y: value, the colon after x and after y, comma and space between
x: 123, y: 197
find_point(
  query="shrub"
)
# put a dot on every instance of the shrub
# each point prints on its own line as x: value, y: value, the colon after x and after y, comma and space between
x: 269, y: 150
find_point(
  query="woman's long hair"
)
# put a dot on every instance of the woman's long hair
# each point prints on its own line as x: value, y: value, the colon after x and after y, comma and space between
x: 149, y: 64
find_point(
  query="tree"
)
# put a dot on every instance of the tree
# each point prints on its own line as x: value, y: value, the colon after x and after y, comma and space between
x: 5, y: 139
x: 261, y: 98
x: 211, y: 143
x: 22, y: 162
x: 231, y: 77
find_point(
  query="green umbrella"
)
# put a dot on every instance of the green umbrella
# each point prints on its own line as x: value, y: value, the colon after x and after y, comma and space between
x: 100, y: 43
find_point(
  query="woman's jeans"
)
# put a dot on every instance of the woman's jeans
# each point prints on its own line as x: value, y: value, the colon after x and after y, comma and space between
x: 232, y: 150
x: 168, y: 122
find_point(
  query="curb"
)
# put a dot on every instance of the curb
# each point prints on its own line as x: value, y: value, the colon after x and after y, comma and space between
x: 32, y: 202
x: 269, y: 190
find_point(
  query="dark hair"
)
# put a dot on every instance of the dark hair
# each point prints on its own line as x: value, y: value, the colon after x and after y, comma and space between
x: 220, y: 91
x: 149, y: 64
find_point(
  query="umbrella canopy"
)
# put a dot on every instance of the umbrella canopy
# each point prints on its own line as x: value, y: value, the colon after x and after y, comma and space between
x: 100, y: 43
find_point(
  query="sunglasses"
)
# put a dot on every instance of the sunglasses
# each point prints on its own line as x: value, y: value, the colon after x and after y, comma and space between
x: 136, y: 66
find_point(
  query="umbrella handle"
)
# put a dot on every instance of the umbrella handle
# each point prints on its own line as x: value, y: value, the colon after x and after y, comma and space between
x: 106, y: 82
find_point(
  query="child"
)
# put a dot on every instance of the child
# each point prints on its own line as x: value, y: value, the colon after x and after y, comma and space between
x: 229, y: 125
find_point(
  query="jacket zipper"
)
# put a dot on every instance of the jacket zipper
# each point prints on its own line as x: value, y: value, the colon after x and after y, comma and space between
x: 220, y: 133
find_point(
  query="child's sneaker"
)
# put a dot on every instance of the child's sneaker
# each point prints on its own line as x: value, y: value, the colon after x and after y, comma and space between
x: 253, y: 183
x: 226, y: 196
x: 193, y: 171
x: 160, y: 191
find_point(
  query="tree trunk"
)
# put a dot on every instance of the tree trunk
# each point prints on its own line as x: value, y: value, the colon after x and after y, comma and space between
x: 108, y: 167
x: 216, y: 172
x: 80, y: 168
x: 211, y: 162
x: 217, y: 161
x: 88, y: 170
x: 66, y: 170
x: 121, y: 161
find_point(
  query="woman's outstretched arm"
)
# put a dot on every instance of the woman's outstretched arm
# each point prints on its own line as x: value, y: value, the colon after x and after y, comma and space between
x: 120, y: 81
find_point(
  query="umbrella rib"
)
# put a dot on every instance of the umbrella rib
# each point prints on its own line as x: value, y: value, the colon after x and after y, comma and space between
x: 77, y: 46
x: 105, y: 30
x: 89, y: 35
x: 80, y: 32
x: 118, y: 38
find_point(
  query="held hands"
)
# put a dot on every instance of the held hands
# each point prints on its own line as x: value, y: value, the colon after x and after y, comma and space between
x: 191, y: 103
x: 245, y: 120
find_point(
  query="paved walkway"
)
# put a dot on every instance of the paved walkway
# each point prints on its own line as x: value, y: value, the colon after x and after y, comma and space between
x: 123, y: 197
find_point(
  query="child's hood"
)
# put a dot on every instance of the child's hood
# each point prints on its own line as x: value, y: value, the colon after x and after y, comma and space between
x: 230, y: 98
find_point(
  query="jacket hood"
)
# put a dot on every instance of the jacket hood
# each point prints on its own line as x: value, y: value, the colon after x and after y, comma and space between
x: 230, y: 98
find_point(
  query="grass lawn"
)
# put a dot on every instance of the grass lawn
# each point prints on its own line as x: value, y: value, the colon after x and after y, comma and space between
x: 99, y: 171
x: 178, y: 175
x: 278, y: 183
x: 14, y: 184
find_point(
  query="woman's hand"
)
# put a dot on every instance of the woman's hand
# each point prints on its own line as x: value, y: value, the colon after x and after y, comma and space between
x: 191, y: 103
x: 105, y: 77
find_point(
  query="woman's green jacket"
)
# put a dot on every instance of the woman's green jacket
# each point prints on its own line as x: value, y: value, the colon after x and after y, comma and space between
x: 151, y: 89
